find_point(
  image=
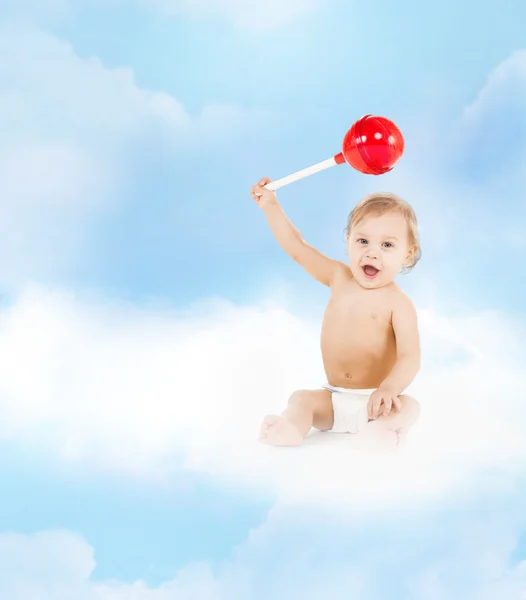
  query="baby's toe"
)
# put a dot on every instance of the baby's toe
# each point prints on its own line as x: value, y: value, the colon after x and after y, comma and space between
x: 268, y: 421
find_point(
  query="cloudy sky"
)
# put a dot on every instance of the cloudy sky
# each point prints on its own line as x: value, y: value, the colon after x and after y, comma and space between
x: 142, y: 296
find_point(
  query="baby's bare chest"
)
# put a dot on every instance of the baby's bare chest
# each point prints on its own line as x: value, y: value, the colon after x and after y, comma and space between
x: 357, y: 317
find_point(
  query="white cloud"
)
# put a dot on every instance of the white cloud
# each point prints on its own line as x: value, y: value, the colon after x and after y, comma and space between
x: 505, y: 85
x: 62, y: 119
x: 248, y: 14
x: 151, y: 390
x: 469, y: 561
x: 59, y: 565
x: 490, y: 132
x: 491, y: 138
x: 68, y: 124
x: 29, y: 570
x: 48, y: 189
x: 46, y: 84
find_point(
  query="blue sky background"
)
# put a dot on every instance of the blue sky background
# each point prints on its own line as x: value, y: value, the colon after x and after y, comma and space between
x: 142, y: 295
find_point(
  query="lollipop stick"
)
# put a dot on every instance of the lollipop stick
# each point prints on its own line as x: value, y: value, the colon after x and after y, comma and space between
x: 325, y: 164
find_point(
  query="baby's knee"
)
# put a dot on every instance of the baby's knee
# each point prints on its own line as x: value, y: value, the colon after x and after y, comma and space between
x: 410, y: 406
x: 301, y: 398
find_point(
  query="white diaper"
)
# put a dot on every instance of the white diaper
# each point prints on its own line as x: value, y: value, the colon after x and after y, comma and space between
x: 350, y: 408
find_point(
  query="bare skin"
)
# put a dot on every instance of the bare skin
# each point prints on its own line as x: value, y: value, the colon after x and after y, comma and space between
x: 369, y: 335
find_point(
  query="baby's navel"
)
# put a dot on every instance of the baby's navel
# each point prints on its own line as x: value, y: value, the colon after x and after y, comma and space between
x: 348, y: 376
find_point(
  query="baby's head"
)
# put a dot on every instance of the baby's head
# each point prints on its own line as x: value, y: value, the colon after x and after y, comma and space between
x: 382, y: 239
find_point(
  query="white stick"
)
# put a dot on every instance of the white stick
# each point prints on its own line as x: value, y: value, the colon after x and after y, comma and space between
x: 274, y: 185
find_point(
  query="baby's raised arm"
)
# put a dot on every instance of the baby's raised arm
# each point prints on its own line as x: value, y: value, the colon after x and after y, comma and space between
x: 321, y: 267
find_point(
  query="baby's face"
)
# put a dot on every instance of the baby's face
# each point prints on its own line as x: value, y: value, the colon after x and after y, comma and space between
x: 378, y: 248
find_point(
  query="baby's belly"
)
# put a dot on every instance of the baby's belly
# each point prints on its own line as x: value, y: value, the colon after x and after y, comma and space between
x: 357, y: 357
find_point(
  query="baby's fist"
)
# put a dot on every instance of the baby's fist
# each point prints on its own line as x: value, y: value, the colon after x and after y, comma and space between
x: 263, y: 196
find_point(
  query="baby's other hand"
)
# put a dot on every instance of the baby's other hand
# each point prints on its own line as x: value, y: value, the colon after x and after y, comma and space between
x: 262, y: 196
x: 381, y: 402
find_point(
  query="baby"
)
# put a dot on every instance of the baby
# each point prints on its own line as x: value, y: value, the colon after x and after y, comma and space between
x: 369, y: 339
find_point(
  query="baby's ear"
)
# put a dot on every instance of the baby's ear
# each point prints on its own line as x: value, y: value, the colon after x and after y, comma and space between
x: 409, y: 255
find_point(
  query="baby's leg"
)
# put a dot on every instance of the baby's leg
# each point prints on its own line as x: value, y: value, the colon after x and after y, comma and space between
x: 390, y: 430
x: 306, y: 409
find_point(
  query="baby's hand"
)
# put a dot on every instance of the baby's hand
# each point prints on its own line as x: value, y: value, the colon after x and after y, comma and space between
x: 381, y: 402
x: 262, y: 196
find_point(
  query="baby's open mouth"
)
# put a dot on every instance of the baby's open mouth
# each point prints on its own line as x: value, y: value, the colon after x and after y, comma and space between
x: 370, y: 271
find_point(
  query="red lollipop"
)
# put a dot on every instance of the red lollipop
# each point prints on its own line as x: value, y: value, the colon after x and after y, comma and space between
x: 373, y: 145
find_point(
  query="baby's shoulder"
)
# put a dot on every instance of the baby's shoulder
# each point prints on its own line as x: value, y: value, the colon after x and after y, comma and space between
x: 400, y: 303
x: 342, y: 275
x: 394, y: 297
x: 344, y: 270
x: 398, y: 295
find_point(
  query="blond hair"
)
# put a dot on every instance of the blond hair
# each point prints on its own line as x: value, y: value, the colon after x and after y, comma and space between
x: 380, y: 203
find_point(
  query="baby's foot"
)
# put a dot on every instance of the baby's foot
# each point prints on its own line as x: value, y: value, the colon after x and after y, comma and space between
x: 377, y: 437
x: 401, y: 435
x: 277, y: 431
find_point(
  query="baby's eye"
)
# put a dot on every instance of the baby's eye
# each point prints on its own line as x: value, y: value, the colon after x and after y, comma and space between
x: 388, y: 244
x: 362, y: 241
